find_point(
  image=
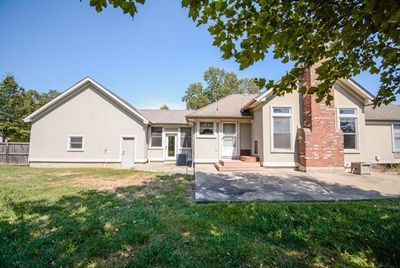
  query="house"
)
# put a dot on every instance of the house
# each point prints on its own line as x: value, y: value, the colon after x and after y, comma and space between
x: 88, y: 125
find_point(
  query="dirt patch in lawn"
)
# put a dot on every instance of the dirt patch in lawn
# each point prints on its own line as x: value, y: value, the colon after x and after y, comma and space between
x: 108, y: 184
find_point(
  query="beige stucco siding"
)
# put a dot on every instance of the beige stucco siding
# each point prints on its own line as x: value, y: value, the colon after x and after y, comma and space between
x: 272, y: 157
x: 379, y: 143
x: 155, y: 154
x: 245, y: 136
x: 98, y: 120
x: 257, y: 132
x: 206, y: 148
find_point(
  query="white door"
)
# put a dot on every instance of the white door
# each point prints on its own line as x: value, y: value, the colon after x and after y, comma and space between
x: 229, y: 140
x: 171, y: 147
x: 128, y: 152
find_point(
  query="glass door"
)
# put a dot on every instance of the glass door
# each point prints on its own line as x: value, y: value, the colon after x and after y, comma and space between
x: 171, y: 147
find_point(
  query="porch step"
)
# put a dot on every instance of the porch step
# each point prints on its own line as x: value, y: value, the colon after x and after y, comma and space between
x: 246, y: 158
x: 240, y: 167
x: 234, y: 163
x: 237, y: 165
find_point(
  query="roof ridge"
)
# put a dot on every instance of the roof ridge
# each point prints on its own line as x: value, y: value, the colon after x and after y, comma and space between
x: 202, y: 108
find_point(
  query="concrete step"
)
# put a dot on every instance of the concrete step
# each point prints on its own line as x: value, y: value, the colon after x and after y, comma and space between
x: 223, y: 168
x: 246, y: 158
x: 238, y: 163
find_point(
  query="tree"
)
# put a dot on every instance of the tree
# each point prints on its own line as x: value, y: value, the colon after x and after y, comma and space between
x: 15, y: 105
x: 164, y: 107
x: 348, y: 36
x: 219, y: 84
x: 12, y: 108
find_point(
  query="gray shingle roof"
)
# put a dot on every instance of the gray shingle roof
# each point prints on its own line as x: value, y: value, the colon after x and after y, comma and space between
x: 167, y: 117
x: 228, y: 107
x: 384, y: 112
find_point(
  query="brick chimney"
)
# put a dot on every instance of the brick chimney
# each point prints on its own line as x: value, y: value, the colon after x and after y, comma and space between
x: 320, y: 141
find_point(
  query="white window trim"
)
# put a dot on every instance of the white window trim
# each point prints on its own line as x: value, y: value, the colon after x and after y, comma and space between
x: 355, y: 115
x: 286, y: 115
x: 214, y: 135
x: 393, y: 143
x: 180, y: 137
x: 162, y: 140
x: 69, y: 149
x: 258, y: 147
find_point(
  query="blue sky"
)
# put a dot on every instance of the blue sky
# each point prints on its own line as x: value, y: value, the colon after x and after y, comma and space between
x: 149, y: 60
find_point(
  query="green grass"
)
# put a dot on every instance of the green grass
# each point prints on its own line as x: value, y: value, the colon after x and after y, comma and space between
x: 47, y: 219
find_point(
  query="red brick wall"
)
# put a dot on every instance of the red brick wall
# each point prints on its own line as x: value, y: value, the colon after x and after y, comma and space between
x: 320, y: 142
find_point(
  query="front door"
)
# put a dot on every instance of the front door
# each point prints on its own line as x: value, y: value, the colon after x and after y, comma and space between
x: 171, y: 147
x: 229, y: 140
x: 128, y: 152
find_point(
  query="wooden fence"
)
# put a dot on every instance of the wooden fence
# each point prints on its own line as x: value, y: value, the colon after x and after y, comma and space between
x: 14, y: 153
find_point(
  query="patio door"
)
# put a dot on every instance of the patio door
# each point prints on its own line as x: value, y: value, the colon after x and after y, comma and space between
x: 171, y: 147
x: 229, y: 140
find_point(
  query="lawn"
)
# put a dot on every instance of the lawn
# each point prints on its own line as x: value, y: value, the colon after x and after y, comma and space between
x: 105, y: 217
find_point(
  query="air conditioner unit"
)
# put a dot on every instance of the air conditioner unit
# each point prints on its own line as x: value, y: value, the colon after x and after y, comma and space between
x: 360, y: 168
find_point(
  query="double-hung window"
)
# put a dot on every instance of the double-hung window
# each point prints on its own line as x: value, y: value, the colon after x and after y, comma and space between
x: 186, y: 137
x: 206, y: 128
x: 156, y: 137
x: 396, y: 138
x: 348, y: 124
x: 282, y: 128
x: 75, y: 143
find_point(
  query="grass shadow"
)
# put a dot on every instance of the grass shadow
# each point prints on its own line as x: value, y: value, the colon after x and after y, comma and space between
x: 156, y: 224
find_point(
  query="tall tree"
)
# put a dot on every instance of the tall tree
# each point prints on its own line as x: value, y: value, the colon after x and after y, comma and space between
x: 219, y: 84
x: 12, y: 107
x: 350, y: 36
x: 164, y: 107
x: 15, y: 105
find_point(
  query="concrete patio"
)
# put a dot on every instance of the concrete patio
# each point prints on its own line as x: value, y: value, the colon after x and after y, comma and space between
x: 290, y: 185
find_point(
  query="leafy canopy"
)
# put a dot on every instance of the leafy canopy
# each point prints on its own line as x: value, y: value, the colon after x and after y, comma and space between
x: 164, y: 107
x: 351, y: 36
x: 15, y: 105
x: 219, y: 84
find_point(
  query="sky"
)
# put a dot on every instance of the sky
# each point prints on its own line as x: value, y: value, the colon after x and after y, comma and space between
x: 149, y: 60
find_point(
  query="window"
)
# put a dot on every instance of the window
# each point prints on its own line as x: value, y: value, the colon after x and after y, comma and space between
x: 282, y: 128
x: 156, y: 137
x: 186, y: 137
x: 75, y: 143
x: 206, y: 128
x: 348, y: 124
x: 396, y: 138
x: 255, y: 150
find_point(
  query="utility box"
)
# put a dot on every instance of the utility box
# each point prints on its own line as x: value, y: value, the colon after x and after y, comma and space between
x: 360, y: 168
x: 181, y: 160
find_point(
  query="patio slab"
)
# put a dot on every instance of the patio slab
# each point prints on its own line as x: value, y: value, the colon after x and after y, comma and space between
x: 289, y: 185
